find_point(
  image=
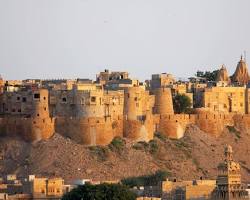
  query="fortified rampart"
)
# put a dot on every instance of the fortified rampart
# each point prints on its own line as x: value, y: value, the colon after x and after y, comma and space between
x: 30, y: 129
x: 90, y: 131
x: 95, y: 116
x: 174, y: 126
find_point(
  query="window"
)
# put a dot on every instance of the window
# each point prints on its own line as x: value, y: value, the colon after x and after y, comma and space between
x: 44, y: 98
x: 64, y: 99
x: 13, y: 110
x: 19, y: 110
x: 241, y: 104
x: 24, y: 99
x: 37, y: 115
x: 18, y: 98
x: 37, y: 96
x: 93, y: 99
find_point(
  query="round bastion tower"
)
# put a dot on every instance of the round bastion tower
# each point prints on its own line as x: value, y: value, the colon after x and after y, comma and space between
x: 138, y: 123
x: 134, y: 103
x: 163, y: 101
x: 40, y: 104
x: 42, y: 125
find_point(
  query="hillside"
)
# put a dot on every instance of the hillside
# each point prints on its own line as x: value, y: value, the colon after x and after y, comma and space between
x: 195, y: 155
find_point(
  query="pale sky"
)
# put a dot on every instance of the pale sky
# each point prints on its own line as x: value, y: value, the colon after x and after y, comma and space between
x: 78, y: 38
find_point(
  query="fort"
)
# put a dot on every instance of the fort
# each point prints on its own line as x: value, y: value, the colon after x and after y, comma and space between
x: 114, y: 105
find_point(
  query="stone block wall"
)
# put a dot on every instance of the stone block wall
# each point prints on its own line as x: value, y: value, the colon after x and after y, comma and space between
x: 30, y: 129
x: 90, y: 131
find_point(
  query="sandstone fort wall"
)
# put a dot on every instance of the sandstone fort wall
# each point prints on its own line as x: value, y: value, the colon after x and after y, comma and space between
x: 30, y: 129
x: 90, y: 131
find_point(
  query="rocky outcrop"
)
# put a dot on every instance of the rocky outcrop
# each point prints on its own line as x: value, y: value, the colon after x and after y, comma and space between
x: 222, y: 75
x: 241, y: 75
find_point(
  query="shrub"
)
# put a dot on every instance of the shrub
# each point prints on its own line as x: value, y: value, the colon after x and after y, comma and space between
x: 181, y: 144
x: 161, y: 136
x: 117, y: 144
x: 153, y: 146
x: 233, y: 130
x: 100, y: 151
x: 141, y: 145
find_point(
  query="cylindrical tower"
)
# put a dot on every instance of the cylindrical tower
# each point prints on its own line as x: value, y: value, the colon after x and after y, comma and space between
x: 134, y: 102
x: 163, y: 101
x: 42, y: 126
x: 40, y: 103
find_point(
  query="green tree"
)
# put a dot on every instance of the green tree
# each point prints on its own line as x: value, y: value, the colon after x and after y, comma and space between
x: 182, y: 103
x: 100, y: 192
x: 209, y: 76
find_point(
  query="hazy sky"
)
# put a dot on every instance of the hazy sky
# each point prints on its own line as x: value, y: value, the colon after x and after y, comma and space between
x: 78, y: 38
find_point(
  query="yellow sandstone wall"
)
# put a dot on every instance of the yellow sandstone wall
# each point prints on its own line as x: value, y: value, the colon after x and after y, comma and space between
x: 30, y: 129
x: 174, y: 126
x: 90, y: 131
x: 199, y: 191
x: 139, y: 130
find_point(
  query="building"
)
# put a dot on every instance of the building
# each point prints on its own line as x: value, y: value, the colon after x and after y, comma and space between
x: 228, y: 99
x: 229, y: 186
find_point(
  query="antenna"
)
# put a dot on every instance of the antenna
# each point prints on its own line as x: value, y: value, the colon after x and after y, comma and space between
x: 245, y: 56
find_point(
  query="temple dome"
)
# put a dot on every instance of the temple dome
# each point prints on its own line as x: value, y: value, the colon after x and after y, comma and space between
x: 241, y: 75
x: 222, y: 75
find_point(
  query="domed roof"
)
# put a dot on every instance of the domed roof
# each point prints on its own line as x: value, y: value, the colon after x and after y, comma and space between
x: 222, y: 75
x: 241, y: 75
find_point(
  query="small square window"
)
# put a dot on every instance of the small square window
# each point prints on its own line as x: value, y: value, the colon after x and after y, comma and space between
x: 93, y: 99
x: 24, y: 99
x: 64, y: 99
x: 37, y: 96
